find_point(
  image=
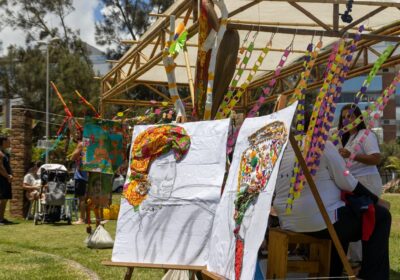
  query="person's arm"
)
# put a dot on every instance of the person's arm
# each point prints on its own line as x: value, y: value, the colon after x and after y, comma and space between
x: 27, y: 183
x: 371, y: 155
x: 337, y: 167
x: 77, y: 152
x: 372, y: 159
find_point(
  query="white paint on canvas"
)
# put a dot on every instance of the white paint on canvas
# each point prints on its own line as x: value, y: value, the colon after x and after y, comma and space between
x: 173, y: 225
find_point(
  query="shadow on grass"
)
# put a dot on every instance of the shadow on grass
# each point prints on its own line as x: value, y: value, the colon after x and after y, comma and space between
x: 394, y: 274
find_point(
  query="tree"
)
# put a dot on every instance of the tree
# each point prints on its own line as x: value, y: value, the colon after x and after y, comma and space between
x: 24, y: 74
x: 125, y: 19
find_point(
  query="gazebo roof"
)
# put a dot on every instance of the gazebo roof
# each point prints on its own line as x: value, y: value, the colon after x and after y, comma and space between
x: 298, y: 21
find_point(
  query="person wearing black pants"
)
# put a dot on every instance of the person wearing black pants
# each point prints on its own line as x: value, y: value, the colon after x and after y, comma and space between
x: 346, y: 218
x: 375, y: 251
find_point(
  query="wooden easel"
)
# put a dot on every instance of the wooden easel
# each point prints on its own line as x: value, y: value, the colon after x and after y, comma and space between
x: 131, y: 266
x: 314, y: 190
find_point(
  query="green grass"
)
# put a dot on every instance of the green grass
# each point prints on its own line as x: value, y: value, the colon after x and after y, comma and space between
x: 394, y: 242
x: 44, y: 251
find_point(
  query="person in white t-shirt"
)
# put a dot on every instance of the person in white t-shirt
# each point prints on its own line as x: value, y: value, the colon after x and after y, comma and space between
x: 305, y: 216
x: 363, y: 166
x: 31, y: 183
x: 367, y: 157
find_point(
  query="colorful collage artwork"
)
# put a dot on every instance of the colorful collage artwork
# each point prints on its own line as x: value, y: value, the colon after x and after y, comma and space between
x: 245, y: 203
x: 103, y: 146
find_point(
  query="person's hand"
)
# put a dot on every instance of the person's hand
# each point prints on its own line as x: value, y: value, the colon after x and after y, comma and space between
x: 384, y: 203
x: 10, y: 178
x: 344, y: 152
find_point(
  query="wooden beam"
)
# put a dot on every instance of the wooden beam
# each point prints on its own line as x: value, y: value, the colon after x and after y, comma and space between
x: 361, y: 19
x: 335, y: 20
x: 310, y: 15
x: 311, y: 32
x: 271, y: 23
x: 354, y: 62
x: 344, y: 2
x: 392, y: 61
x: 153, y: 89
x: 321, y: 207
x: 144, y: 56
x: 375, y: 52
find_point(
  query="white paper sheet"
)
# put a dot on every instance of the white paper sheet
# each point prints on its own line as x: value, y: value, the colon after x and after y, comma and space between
x: 222, y: 245
x: 173, y: 225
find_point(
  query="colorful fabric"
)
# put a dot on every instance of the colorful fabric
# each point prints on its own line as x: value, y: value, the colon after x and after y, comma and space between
x: 99, y: 189
x: 150, y: 144
x: 103, y: 146
x: 256, y: 166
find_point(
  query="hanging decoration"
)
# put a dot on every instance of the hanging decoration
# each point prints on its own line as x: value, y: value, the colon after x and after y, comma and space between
x: 378, y: 106
x: 232, y: 87
x: 256, y: 165
x: 148, y: 145
x: 224, y: 111
x: 360, y: 94
x: 179, y: 39
x: 322, y: 116
x: 88, y: 104
x: 169, y: 64
x: 265, y: 92
x: 211, y: 67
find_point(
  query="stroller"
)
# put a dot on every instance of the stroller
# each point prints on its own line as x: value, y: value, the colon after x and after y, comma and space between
x: 51, y: 207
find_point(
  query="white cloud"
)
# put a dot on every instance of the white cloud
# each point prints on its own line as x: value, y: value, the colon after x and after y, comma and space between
x: 82, y: 18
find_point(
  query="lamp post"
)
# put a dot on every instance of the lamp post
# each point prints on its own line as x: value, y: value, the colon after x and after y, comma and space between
x: 48, y: 43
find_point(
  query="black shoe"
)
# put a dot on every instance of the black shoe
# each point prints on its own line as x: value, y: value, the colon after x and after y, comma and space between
x: 6, y: 222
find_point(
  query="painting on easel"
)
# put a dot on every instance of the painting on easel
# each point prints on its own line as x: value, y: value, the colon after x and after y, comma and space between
x: 172, y: 190
x: 246, y: 201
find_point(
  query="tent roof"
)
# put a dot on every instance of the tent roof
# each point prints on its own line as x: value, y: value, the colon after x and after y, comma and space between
x: 272, y: 15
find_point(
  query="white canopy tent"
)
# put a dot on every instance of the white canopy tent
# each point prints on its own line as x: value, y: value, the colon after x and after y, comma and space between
x: 306, y: 20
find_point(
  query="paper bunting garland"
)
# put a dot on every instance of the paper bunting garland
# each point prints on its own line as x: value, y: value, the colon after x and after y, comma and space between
x: 224, y: 111
x: 324, y: 109
x: 265, y: 92
x: 235, y: 81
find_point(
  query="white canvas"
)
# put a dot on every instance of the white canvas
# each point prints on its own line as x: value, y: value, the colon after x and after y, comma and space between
x: 255, y: 221
x: 173, y: 225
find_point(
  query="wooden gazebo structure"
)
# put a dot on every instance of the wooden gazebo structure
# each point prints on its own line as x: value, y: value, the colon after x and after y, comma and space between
x: 300, y: 21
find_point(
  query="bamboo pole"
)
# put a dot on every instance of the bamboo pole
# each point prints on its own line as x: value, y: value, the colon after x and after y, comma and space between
x: 310, y: 32
x: 321, y: 207
x: 271, y: 23
x: 189, y: 74
x: 363, y: 3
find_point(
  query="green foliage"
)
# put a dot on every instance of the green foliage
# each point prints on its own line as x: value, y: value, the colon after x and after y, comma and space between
x: 125, y: 20
x: 57, y: 155
x: 393, y: 163
x: 391, y: 149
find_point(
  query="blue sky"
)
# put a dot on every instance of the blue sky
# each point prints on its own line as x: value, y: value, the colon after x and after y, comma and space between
x: 83, y: 18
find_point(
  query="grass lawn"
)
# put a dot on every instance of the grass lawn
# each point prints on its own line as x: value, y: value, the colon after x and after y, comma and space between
x: 58, y: 251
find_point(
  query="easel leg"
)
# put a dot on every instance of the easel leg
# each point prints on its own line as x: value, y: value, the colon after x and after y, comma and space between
x: 318, y: 200
x: 128, y: 274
